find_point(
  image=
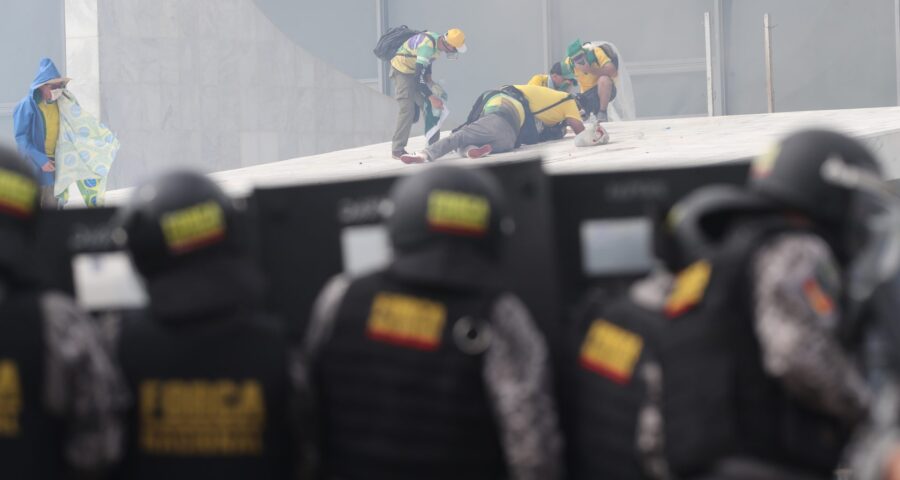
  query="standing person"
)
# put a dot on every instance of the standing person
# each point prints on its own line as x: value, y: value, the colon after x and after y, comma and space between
x: 61, y: 398
x: 498, y: 124
x: 563, y: 81
x: 409, y: 69
x: 50, y: 124
x: 760, y: 377
x: 602, y: 78
x: 36, y: 123
x: 431, y: 368
x: 211, y: 374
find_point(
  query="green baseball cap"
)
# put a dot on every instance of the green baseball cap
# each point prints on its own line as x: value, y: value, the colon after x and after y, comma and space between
x: 574, y: 48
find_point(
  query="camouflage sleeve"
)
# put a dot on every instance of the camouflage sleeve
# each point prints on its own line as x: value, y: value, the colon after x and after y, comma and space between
x: 82, y: 385
x: 517, y: 374
x: 876, y: 442
x: 797, y: 289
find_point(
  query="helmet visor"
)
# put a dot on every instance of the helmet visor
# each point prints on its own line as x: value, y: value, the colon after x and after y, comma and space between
x: 878, y: 259
x: 874, y: 227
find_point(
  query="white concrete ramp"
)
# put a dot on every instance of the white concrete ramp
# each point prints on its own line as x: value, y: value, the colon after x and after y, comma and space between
x: 211, y: 85
x: 633, y: 145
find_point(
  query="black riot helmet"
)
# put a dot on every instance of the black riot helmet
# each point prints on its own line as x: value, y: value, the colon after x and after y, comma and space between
x: 795, y: 174
x: 19, y: 211
x: 447, y: 224
x: 699, y: 222
x: 184, y: 236
x: 836, y: 181
x: 177, y: 219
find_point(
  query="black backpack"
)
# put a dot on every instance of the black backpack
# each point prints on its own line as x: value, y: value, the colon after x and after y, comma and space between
x: 393, y: 39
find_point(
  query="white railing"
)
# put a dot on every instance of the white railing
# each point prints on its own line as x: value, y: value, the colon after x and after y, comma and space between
x: 6, y: 109
x: 665, y: 67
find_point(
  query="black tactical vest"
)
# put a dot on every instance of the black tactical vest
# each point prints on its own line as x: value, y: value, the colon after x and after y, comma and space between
x: 30, y: 445
x: 718, y: 400
x: 603, y: 387
x: 210, y: 398
x: 400, y: 399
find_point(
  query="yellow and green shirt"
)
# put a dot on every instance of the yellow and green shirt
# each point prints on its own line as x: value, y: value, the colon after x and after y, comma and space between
x: 420, y: 48
x: 506, y: 106
x: 538, y: 99
x: 587, y: 81
x: 543, y: 80
x: 542, y: 97
x: 50, y: 112
x: 540, y: 80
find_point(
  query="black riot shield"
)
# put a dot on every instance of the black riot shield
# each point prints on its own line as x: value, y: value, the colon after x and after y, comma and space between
x: 604, y: 221
x: 76, y: 255
x: 55, y: 242
x: 309, y: 233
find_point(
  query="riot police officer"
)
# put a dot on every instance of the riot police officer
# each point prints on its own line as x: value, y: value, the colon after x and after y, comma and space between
x: 211, y: 375
x: 759, y: 363
x: 61, y: 398
x: 431, y: 368
x: 612, y: 377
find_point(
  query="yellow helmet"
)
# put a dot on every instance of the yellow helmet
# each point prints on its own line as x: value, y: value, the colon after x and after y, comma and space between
x: 457, y: 39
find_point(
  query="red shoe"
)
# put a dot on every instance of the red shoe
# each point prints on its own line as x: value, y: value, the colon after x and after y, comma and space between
x: 479, y: 152
x: 399, y: 153
x: 413, y: 158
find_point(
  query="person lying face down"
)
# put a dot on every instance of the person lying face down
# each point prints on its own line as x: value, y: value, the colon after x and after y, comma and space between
x: 501, y: 126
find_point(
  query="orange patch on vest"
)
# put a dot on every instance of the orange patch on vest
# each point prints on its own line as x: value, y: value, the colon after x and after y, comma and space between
x: 690, y: 287
x: 611, y: 351
x: 406, y: 321
x: 820, y: 302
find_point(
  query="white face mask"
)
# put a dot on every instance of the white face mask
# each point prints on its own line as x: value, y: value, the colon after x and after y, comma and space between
x: 55, y: 94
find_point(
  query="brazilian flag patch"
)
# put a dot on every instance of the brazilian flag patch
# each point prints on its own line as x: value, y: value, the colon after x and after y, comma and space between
x: 611, y: 351
x: 458, y: 213
x: 406, y: 321
x: 17, y: 194
x: 194, y: 227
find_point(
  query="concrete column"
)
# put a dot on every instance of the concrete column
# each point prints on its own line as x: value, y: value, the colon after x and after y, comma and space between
x: 83, y: 53
x: 718, y: 58
x: 381, y: 26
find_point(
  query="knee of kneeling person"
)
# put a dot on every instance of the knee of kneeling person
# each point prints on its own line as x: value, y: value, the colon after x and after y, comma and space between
x: 604, y: 82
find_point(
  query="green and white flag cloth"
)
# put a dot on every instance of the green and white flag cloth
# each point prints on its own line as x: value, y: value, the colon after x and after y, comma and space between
x: 85, y: 152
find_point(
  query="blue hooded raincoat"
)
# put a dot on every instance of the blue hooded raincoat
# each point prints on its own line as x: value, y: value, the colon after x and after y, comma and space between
x: 29, y: 125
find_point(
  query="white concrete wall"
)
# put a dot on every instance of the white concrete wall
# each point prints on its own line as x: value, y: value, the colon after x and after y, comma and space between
x: 29, y: 30
x: 214, y: 85
x: 341, y: 32
x: 826, y: 54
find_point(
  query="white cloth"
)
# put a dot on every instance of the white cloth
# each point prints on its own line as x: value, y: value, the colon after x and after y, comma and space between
x: 622, y: 107
x: 86, y: 148
x: 593, y: 135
